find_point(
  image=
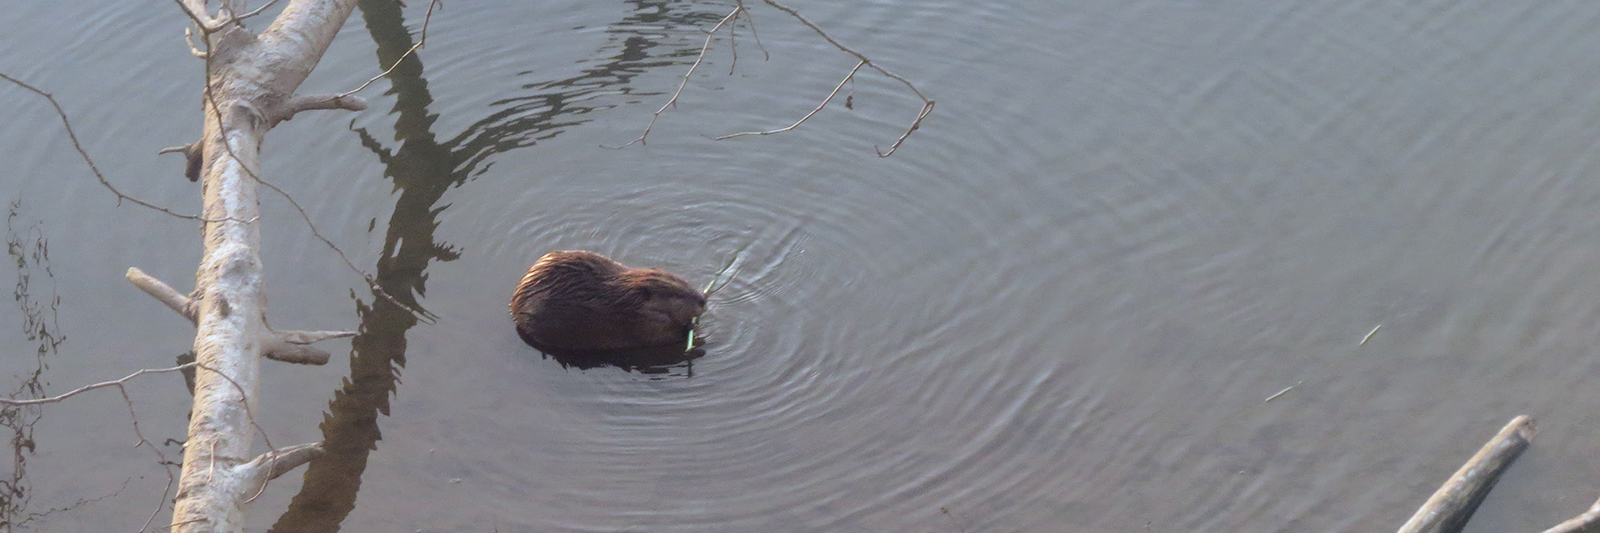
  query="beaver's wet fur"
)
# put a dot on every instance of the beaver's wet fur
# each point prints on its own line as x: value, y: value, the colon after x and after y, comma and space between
x: 578, y: 302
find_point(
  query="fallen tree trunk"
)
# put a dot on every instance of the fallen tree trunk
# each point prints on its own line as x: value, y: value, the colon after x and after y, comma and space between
x: 251, y: 84
x: 1448, y: 510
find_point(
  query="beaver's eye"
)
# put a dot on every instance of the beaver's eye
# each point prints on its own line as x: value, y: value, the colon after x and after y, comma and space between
x: 646, y: 292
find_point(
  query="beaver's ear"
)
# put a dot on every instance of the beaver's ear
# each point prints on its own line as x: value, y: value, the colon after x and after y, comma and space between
x: 645, y: 292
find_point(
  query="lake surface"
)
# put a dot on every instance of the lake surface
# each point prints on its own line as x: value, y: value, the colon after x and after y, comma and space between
x: 1059, y: 307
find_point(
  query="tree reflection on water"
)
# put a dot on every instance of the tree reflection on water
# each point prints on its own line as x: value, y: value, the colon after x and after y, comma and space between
x: 423, y: 168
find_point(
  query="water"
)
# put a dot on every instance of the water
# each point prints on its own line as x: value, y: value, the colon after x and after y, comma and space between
x: 1058, y: 308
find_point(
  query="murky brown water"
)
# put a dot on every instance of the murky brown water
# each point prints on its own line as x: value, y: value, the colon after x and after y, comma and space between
x: 1058, y: 308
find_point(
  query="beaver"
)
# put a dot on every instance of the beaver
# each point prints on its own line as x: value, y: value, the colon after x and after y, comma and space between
x: 578, y: 301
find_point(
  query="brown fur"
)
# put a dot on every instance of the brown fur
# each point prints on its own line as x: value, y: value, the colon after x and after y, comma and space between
x: 577, y: 301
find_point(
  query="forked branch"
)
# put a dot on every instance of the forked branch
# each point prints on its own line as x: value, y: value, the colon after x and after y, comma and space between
x: 673, y: 102
x: 797, y: 123
x: 862, y: 61
x: 118, y: 383
x: 927, y: 103
x: 73, y: 136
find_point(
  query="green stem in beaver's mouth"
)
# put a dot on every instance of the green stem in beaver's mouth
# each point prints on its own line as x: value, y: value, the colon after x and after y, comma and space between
x: 689, y: 344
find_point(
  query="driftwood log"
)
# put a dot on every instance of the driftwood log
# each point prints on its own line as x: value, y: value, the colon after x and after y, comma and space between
x: 1448, y: 510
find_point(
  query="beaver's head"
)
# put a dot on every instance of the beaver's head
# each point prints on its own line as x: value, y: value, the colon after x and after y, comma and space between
x: 663, y: 298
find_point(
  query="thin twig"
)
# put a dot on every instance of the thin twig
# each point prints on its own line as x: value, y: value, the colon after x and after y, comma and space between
x: 86, y: 388
x: 751, y: 19
x: 863, y: 61
x: 808, y: 116
x: 1283, y: 392
x: 162, y: 503
x: 201, y: 19
x: 372, y: 283
x: 161, y: 458
x: 927, y: 104
x: 73, y: 136
x: 733, y: 39
x: 712, y: 286
x: 422, y: 39
x: 1369, y: 335
x: 673, y: 102
x: 732, y: 265
x: 846, y: 49
x: 119, y: 384
x: 35, y: 515
x: 132, y: 415
x: 256, y: 11
x: 927, y: 107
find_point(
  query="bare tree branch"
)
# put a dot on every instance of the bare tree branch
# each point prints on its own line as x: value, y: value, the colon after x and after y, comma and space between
x: 751, y: 19
x: 422, y: 40
x: 808, y: 116
x: 177, y: 301
x: 255, y: 12
x: 317, y: 101
x: 73, y: 136
x: 194, y: 156
x: 271, y: 465
x: 299, y: 354
x: 308, y: 337
x: 132, y: 416
x: 268, y: 466
x: 927, y: 103
x: 863, y: 61
x: 86, y: 388
x: 673, y: 102
x: 286, y: 346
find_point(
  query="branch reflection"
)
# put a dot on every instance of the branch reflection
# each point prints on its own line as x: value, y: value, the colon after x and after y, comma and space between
x: 28, y: 247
